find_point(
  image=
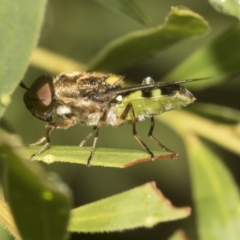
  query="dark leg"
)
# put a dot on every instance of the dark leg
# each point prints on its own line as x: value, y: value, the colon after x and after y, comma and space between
x: 96, y: 130
x: 87, y: 137
x: 49, y: 127
x: 128, y: 108
x: 154, y: 139
x: 93, y: 146
x: 41, y: 140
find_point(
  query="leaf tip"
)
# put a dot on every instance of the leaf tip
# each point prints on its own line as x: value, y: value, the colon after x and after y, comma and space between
x: 147, y: 159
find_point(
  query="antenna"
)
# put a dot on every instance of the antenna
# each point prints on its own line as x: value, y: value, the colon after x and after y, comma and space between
x: 22, y: 84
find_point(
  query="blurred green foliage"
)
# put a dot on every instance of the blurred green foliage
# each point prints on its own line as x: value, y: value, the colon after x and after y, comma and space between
x: 78, y: 31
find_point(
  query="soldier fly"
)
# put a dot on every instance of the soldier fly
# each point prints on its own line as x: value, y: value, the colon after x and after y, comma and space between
x: 98, y: 99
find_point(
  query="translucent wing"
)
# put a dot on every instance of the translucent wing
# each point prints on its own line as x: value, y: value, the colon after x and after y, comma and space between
x: 144, y: 86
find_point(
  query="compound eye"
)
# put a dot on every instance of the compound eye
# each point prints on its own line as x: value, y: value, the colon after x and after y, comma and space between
x: 40, y: 94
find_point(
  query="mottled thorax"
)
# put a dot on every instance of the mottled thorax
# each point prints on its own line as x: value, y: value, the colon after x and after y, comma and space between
x: 75, y: 95
x: 85, y: 85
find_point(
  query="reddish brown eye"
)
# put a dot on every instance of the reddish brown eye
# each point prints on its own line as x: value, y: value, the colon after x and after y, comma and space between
x: 38, y: 98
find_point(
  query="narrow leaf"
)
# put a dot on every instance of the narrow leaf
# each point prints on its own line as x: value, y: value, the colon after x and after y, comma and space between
x: 39, y: 202
x: 229, y: 7
x: 219, y: 59
x: 180, y: 24
x: 217, y: 112
x: 20, y: 23
x: 54, y: 63
x: 6, y: 219
x: 144, y: 206
x: 215, y: 193
x: 106, y: 157
x: 128, y: 8
x: 224, y: 135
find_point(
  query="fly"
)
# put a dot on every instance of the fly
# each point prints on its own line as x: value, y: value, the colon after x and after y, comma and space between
x: 98, y: 99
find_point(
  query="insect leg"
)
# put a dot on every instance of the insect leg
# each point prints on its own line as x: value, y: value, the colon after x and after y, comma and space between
x: 88, y: 136
x: 154, y: 139
x: 49, y: 127
x: 44, y: 138
x: 93, y: 146
x: 96, y: 130
x: 129, y: 108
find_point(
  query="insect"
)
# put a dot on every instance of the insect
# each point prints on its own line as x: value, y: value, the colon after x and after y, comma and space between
x: 98, y: 99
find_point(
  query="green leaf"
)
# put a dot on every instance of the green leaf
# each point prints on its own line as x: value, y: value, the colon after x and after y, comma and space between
x: 4, y: 235
x: 128, y: 8
x: 39, y: 202
x: 20, y: 23
x: 228, y: 7
x: 107, y: 157
x: 7, y: 220
x: 54, y: 62
x: 225, y: 135
x: 217, y: 112
x: 180, y: 24
x: 219, y: 59
x: 215, y: 193
x: 144, y: 206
